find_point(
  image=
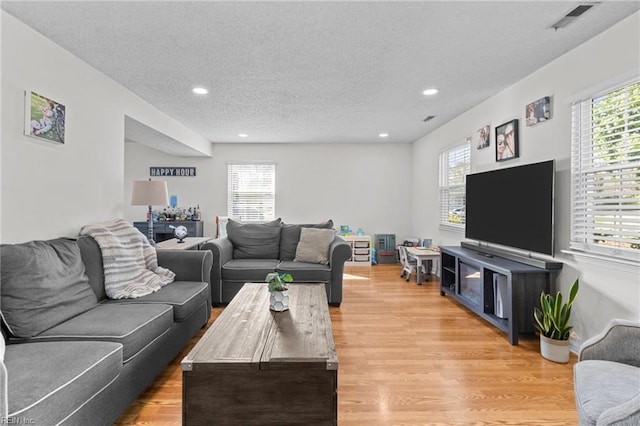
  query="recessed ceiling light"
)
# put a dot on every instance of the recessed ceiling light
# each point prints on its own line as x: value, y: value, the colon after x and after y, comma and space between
x: 200, y: 90
x: 243, y: 135
x: 430, y: 92
x: 384, y: 135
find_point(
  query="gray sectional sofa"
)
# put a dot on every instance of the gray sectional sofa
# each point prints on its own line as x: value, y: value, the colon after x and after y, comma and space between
x: 309, y: 252
x: 75, y: 357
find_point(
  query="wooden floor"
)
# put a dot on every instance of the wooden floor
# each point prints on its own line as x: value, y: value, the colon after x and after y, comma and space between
x: 409, y: 356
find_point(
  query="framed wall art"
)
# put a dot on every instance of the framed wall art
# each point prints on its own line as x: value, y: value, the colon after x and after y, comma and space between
x: 538, y: 111
x: 44, y: 118
x: 507, y: 141
x: 484, y: 134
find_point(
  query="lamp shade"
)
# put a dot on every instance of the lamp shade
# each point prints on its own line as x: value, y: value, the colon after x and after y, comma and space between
x: 149, y: 193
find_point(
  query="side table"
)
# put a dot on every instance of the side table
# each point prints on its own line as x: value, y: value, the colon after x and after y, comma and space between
x: 187, y: 244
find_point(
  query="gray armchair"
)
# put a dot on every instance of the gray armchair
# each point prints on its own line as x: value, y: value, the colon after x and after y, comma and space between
x: 607, y: 376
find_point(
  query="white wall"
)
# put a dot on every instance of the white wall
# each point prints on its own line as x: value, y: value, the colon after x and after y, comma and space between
x: 362, y: 185
x: 608, y: 290
x: 50, y: 190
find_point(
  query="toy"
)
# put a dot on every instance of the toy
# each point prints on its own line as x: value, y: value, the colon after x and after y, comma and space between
x: 345, y: 230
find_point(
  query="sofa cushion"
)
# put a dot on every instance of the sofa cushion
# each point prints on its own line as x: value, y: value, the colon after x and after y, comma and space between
x: 255, y: 240
x: 290, y: 235
x: 248, y: 270
x: 43, y: 284
x: 306, y: 272
x: 134, y: 325
x: 184, y: 296
x: 314, y: 245
x: 601, y: 385
x: 50, y: 380
x: 92, y: 259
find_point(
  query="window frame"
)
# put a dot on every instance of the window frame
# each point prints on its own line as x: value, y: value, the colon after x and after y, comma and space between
x: 255, y: 195
x: 589, y: 188
x: 451, y: 180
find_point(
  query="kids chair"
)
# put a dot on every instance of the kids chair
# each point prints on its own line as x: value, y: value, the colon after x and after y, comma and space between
x: 409, y: 265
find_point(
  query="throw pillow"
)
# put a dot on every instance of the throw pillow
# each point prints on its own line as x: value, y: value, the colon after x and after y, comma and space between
x: 255, y: 240
x: 314, y: 245
x: 290, y: 235
x: 43, y: 284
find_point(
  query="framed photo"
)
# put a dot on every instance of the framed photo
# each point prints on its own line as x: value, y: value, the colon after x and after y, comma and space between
x: 484, y: 134
x: 44, y: 118
x: 538, y: 111
x: 507, y: 141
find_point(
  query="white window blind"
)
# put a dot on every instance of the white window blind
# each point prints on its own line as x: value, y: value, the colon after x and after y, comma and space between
x: 455, y: 165
x: 251, y: 191
x: 605, y: 172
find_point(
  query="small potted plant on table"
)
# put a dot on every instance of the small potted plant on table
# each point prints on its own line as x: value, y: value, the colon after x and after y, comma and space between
x: 552, y: 320
x: 279, y: 297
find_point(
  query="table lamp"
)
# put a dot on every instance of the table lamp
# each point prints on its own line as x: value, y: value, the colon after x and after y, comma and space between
x: 149, y: 193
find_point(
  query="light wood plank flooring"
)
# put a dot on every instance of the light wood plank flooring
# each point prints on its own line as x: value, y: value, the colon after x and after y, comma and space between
x: 409, y: 356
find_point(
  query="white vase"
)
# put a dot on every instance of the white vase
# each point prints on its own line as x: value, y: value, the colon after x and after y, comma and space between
x: 279, y: 300
x: 554, y: 350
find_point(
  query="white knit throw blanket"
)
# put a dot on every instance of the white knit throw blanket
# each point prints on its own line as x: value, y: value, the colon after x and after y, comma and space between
x: 130, y: 263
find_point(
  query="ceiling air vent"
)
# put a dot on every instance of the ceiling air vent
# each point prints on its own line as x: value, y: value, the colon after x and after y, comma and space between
x: 429, y: 117
x: 572, y: 16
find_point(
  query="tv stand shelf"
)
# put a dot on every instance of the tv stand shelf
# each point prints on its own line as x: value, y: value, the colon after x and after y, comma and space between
x: 501, y: 291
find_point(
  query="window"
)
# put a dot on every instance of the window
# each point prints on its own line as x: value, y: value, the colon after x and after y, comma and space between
x: 251, y: 191
x: 605, y: 174
x: 455, y: 165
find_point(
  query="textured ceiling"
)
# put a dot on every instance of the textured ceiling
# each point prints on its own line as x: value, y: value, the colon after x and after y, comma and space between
x: 323, y: 72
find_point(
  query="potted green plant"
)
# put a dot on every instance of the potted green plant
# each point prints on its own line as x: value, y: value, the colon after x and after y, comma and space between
x: 552, y: 320
x: 279, y: 297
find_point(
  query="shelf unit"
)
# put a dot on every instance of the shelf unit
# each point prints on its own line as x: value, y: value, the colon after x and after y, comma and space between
x: 360, y: 250
x: 472, y: 278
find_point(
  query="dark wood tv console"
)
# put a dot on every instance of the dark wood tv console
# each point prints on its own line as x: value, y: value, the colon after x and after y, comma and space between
x: 499, y: 290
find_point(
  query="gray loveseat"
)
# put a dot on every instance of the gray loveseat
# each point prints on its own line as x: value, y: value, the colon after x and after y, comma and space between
x: 75, y: 357
x: 252, y: 250
x: 607, y: 376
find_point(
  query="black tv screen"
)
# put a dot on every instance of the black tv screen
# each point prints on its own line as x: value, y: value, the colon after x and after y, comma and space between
x: 513, y: 207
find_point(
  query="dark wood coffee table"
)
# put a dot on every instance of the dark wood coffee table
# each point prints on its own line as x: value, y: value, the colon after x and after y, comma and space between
x: 258, y: 367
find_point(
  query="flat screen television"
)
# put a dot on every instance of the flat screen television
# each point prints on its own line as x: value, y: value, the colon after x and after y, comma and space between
x: 513, y: 207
